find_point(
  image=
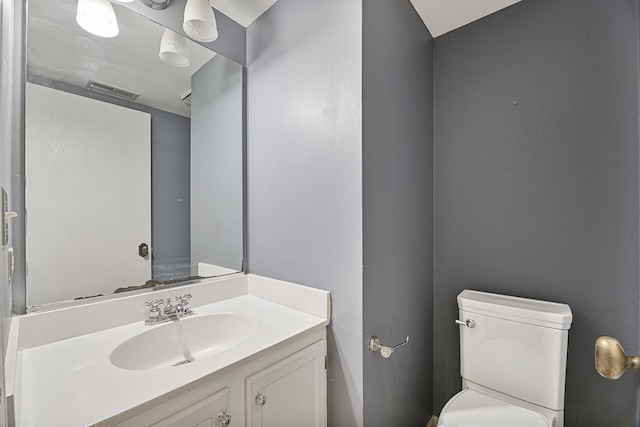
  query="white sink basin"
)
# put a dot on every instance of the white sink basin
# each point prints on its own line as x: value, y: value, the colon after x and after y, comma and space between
x: 182, y: 341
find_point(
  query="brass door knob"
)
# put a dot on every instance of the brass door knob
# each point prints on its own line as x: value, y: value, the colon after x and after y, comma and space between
x: 611, y: 360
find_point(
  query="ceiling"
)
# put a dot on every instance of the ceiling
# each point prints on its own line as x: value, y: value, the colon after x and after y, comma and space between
x: 442, y: 16
x: 439, y: 16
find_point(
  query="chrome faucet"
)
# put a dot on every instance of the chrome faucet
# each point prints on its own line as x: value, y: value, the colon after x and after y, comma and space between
x: 183, y: 305
x: 169, y: 311
x: 155, y: 313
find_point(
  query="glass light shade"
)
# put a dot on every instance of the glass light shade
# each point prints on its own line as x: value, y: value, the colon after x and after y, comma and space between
x: 199, y: 21
x: 97, y: 17
x: 173, y: 49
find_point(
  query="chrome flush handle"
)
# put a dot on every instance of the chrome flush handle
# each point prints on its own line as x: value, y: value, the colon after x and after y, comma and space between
x: 468, y: 323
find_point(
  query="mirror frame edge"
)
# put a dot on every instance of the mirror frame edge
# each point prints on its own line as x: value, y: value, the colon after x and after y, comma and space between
x: 17, y: 183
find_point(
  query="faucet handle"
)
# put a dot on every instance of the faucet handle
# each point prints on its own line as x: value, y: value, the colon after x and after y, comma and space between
x: 154, y: 311
x: 184, y: 297
x: 153, y: 304
x: 184, y: 301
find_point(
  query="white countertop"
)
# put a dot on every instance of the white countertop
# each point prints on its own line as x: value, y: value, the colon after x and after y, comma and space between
x: 72, y: 382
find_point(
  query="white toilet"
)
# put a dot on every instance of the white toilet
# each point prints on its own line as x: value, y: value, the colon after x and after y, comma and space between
x: 513, y: 357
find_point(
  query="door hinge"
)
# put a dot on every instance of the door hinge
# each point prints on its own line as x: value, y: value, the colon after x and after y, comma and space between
x: 326, y: 362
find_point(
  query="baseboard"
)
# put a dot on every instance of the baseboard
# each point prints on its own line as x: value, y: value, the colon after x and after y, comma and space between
x: 433, y: 421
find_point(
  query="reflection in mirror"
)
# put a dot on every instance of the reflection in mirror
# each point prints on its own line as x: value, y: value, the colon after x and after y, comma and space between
x: 133, y: 166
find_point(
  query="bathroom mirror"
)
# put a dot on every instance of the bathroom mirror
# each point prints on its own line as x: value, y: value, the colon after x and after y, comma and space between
x: 133, y: 166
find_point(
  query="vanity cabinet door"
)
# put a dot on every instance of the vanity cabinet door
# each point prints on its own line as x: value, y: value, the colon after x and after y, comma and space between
x: 209, y: 411
x: 290, y: 393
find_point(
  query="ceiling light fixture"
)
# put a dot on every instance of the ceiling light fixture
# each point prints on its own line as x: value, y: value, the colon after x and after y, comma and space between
x: 97, y: 17
x: 199, y: 21
x: 173, y: 49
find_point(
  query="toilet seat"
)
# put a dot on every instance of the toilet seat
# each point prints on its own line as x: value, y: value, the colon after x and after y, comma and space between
x: 470, y: 408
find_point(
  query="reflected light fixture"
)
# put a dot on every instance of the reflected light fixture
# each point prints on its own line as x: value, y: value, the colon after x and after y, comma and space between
x: 97, y: 17
x: 173, y: 49
x: 199, y: 21
x: 153, y: 4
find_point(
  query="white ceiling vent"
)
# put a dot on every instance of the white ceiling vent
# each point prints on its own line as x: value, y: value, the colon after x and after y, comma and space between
x: 112, y: 90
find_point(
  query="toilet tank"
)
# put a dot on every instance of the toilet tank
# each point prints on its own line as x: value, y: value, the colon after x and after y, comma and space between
x: 518, y: 346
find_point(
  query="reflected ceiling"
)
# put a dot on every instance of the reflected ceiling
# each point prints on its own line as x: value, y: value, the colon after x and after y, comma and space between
x: 58, y: 48
x: 244, y: 12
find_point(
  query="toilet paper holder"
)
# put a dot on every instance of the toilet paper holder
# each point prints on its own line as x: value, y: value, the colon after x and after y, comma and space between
x: 385, y: 350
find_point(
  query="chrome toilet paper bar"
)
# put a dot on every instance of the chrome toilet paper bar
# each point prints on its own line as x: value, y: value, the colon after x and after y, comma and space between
x: 385, y: 350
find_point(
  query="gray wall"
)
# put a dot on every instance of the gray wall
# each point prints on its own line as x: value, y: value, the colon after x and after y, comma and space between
x: 170, y: 195
x: 536, y: 182
x: 216, y: 164
x: 304, y: 172
x: 397, y: 199
x: 170, y: 141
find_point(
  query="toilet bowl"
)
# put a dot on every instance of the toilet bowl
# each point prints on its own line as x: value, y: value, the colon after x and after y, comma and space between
x: 512, y: 362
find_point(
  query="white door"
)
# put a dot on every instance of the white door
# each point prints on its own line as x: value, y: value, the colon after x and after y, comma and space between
x: 88, y: 196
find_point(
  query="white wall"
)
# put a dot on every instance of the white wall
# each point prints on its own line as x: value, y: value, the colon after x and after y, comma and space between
x: 304, y: 172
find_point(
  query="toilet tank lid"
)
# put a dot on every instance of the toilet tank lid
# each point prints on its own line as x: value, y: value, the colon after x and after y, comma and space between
x: 525, y: 310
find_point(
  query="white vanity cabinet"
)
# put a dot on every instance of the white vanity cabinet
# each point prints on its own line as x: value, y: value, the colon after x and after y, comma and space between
x: 210, y: 411
x: 77, y: 374
x: 284, y: 388
x: 290, y: 393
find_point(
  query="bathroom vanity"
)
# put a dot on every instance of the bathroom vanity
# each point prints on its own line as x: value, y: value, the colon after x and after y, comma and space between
x: 252, y: 354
